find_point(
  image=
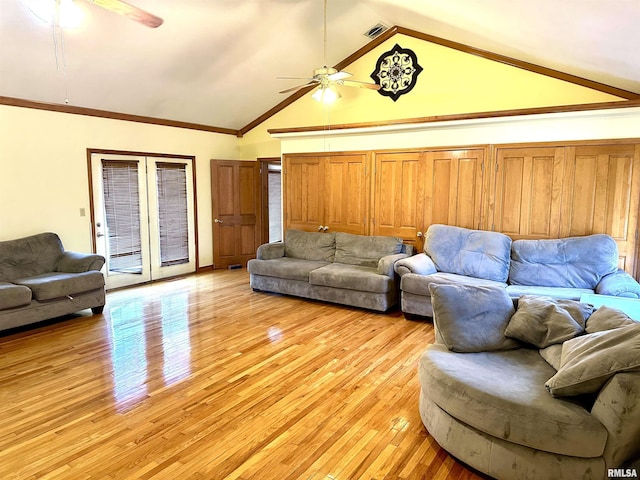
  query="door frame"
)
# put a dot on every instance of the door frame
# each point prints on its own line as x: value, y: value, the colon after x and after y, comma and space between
x: 264, y: 195
x: 101, y: 151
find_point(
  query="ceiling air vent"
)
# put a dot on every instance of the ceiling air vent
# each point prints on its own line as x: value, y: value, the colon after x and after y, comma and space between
x: 376, y: 30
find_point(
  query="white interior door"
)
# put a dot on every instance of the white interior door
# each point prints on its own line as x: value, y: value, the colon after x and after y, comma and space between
x: 144, y: 217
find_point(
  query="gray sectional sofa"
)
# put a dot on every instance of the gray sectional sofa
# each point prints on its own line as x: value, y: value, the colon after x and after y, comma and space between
x: 562, y: 268
x: 343, y: 268
x: 39, y: 280
x: 546, y: 391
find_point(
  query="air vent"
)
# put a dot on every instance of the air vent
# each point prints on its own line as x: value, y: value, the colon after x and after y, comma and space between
x: 376, y: 30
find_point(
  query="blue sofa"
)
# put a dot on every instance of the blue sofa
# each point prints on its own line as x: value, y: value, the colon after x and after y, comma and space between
x: 559, y: 268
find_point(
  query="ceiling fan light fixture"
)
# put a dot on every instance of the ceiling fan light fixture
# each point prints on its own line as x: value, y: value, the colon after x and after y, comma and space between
x: 63, y: 13
x: 326, y: 94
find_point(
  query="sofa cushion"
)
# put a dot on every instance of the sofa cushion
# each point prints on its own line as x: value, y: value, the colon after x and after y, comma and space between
x: 503, y: 394
x: 578, y: 262
x: 516, y: 291
x: 472, y: 319
x: 29, y: 256
x: 419, y: 284
x: 351, y: 277
x: 607, y: 318
x: 543, y: 321
x: 364, y: 250
x: 587, y: 362
x: 12, y: 296
x: 310, y: 245
x: 55, y: 285
x: 474, y: 253
x: 285, y: 267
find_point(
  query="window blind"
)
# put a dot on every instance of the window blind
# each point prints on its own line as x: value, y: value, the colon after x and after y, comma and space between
x: 173, y: 219
x: 122, y: 212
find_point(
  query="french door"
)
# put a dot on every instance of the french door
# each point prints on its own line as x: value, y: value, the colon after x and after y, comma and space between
x: 143, y: 217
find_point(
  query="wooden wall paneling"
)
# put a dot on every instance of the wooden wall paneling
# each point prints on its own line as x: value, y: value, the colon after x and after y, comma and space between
x: 454, y: 188
x: 528, y: 192
x: 399, y: 192
x: 303, y: 192
x: 601, y: 195
x: 347, y: 193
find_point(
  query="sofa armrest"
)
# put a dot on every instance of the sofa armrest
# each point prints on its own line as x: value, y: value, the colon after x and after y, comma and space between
x: 269, y: 251
x: 386, y: 264
x: 618, y: 409
x: 75, y: 262
x: 420, y: 264
x: 618, y: 284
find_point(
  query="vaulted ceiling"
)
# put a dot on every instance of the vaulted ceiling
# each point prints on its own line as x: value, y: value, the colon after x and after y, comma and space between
x: 215, y: 62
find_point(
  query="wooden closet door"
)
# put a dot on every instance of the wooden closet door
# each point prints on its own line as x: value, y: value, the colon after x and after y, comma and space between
x: 528, y: 187
x: 303, y: 192
x: 454, y: 188
x: 399, y: 196
x: 601, y: 195
x: 346, y: 186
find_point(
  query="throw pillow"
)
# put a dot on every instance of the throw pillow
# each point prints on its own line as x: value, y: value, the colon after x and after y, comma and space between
x: 587, y: 362
x: 543, y: 321
x: 607, y: 318
x: 472, y: 318
x: 552, y: 355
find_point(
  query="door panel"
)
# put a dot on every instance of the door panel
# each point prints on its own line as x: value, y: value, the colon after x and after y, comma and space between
x: 454, y: 188
x: 346, y: 192
x: 528, y: 186
x: 171, y: 221
x: 399, y: 196
x: 121, y: 218
x: 235, y: 193
x: 601, y: 196
x: 303, y: 193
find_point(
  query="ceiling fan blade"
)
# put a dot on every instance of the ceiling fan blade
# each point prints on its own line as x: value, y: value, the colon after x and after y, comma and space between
x: 300, y: 87
x: 339, y: 76
x: 295, y: 78
x: 134, y: 13
x: 356, y: 83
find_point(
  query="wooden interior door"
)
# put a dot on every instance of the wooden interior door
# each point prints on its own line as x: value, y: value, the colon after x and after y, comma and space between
x: 601, y: 195
x: 528, y: 192
x: 235, y: 193
x: 454, y: 188
x: 399, y: 196
x: 303, y: 192
x: 347, y: 193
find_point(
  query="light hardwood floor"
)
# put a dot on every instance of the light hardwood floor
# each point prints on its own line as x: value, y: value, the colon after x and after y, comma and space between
x: 202, y: 378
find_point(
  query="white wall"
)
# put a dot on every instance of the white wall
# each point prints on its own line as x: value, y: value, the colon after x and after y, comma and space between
x: 587, y: 125
x: 44, y: 178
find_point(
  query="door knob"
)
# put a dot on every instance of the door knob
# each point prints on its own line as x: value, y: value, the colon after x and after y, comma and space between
x: 99, y: 234
x: 320, y: 228
x: 325, y: 228
x: 217, y: 220
x: 419, y: 234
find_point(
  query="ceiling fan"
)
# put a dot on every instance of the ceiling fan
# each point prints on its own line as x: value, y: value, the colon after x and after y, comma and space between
x: 326, y: 79
x: 59, y: 12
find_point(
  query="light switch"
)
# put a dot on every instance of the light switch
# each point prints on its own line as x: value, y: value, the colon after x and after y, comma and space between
x: 83, y: 212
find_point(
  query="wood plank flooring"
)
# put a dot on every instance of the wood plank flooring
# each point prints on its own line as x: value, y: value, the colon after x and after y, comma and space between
x: 202, y: 378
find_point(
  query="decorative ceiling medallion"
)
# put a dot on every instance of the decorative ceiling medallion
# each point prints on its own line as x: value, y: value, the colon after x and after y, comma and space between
x: 396, y: 72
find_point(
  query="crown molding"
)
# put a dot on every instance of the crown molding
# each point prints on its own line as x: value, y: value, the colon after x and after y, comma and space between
x: 91, y: 112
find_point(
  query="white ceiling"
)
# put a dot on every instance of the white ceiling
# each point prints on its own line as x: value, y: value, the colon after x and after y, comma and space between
x: 215, y: 62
